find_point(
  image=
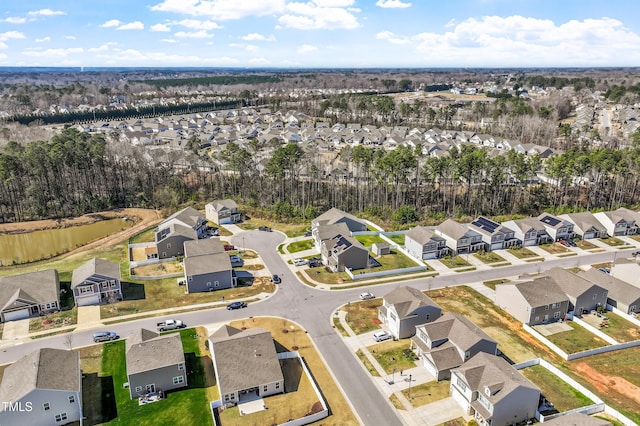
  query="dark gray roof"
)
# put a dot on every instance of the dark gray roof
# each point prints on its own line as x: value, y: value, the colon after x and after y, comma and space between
x: 457, y: 329
x: 207, y: 263
x: 95, y: 266
x: 422, y: 235
x: 185, y: 231
x: 445, y: 356
x: 573, y: 285
x: 41, y: 287
x: 341, y: 243
x: 244, y: 358
x: 201, y: 247
x: 407, y: 299
x: 146, y: 350
x: 45, y: 368
x: 619, y: 290
x: 541, y: 291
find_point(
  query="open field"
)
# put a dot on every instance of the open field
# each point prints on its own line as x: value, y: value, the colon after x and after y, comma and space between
x: 427, y: 393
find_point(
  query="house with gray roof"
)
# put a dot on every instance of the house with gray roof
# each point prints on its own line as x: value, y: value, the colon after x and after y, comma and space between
x: 321, y: 233
x: 493, y: 392
x: 342, y: 252
x: 97, y: 281
x: 406, y: 307
x: 533, y: 302
x: 30, y: 294
x: 556, y: 227
x: 187, y: 217
x: 44, y: 388
x: 423, y: 243
x: 621, y: 294
x: 335, y: 215
x: 223, y: 212
x: 585, y: 225
x: 529, y: 231
x: 207, y: 267
x: 494, y: 235
x: 584, y: 295
x: 155, y: 363
x: 620, y: 222
x: 460, y: 239
x: 449, y: 341
x: 169, y: 241
x: 246, y: 363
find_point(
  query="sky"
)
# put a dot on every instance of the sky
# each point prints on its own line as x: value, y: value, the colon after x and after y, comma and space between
x: 320, y: 33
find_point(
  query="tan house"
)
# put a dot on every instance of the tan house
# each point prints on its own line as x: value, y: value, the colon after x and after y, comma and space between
x: 223, y: 212
x: 406, y: 307
x: 334, y: 215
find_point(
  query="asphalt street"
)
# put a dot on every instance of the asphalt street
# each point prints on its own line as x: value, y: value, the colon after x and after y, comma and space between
x: 312, y: 309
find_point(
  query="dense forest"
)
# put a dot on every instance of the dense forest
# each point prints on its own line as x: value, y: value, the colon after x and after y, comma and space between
x: 75, y: 173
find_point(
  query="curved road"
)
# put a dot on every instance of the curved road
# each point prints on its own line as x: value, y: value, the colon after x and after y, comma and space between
x: 312, y: 309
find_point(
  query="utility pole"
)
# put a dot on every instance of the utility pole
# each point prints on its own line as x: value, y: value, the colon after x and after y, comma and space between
x: 409, y: 386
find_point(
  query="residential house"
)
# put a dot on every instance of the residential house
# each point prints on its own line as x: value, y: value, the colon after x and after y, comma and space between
x: 494, y: 235
x: 170, y: 235
x: 321, y: 233
x: 335, y: 215
x: 585, y: 225
x: 529, y: 232
x: 188, y: 217
x: 619, y: 222
x: 449, y: 341
x: 342, y: 252
x: 406, y: 307
x: 30, y: 294
x: 207, y: 267
x: 97, y: 281
x: 622, y: 295
x: 493, y: 392
x: 223, y: 212
x: 43, y: 387
x: 422, y: 243
x: 557, y: 228
x: 459, y: 238
x: 246, y: 363
x: 533, y: 302
x: 584, y: 295
x: 155, y: 364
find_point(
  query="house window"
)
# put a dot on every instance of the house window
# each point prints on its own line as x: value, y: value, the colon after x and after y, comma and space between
x: 546, y: 308
x: 265, y: 388
x: 393, y: 317
x: 190, y: 277
x: 72, y: 399
x: 112, y: 283
x: 226, y: 398
x: 595, y: 296
x: 138, y: 388
x: 461, y: 385
x: 209, y: 284
x: 556, y: 315
x: 60, y: 417
x: 216, y: 283
x: 277, y: 385
x: 533, y: 310
x: 86, y: 289
x: 178, y: 379
x: 467, y: 354
x: 536, y: 319
x: 604, y: 294
x: 105, y: 285
x: 181, y: 367
x: 46, y: 406
x: 168, y: 245
x: 427, y: 317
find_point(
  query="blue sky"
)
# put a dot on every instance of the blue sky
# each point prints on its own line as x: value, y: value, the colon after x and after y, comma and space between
x: 320, y: 33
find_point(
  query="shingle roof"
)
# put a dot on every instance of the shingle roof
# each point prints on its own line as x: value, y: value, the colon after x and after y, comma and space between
x: 326, y: 232
x: 584, y: 221
x: 573, y: 285
x: 453, y: 229
x: 45, y: 368
x: 201, y: 247
x: 227, y: 202
x: 147, y: 350
x: 333, y: 215
x: 457, y: 328
x: 541, y: 291
x: 422, y: 235
x: 189, y: 216
x: 207, y: 263
x: 407, y: 299
x: 41, y: 286
x: 95, y: 266
x: 619, y: 290
x: 244, y: 358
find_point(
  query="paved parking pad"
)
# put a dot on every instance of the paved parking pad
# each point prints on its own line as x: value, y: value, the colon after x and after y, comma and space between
x: 553, y: 328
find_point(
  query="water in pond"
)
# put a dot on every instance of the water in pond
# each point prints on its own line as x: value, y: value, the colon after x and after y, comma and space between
x: 37, y: 245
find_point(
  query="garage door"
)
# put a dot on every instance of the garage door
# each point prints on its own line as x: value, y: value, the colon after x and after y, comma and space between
x: 16, y: 315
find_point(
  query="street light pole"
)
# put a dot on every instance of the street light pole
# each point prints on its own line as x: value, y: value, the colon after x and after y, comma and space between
x: 409, y: 386
x: 393, y: 375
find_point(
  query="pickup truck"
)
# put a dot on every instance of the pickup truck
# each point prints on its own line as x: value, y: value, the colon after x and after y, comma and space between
x: 170, y: 325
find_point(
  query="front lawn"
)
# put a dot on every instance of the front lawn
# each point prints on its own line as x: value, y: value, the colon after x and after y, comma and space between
x: 489, y: 257
x: 585, y: 244
x: 555, y: 248
x: 612, y: 241
x: 492, y: 283
x: 522, y: 253
x: 427, y: 393
x: 300, y: 246
x: 454, y: 262
x: 362, y: 317
x: 576, y: 340
x: 367, y: 364
x: 394, y: 354
x: 563, y: 396
x: 369, y: 239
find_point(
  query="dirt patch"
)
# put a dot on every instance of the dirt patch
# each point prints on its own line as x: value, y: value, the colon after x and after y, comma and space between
x: 604, y: 383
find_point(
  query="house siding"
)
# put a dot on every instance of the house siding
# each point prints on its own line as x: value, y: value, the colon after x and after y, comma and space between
x: 162, y: 378
x: 58, y: 401
x: 171, y: 246
x: 199, y: 283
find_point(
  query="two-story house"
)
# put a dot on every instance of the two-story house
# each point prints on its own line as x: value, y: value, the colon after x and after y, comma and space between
x: 620, y: 222
x: 170, y: 235
x: 584, y: 295
x: 585, y: 225
x: 530, y: 232
x: 207, y: 266
x: 493, y: 392
x: 557, y: 228
x: 406, y: 307
x: 533, y: 302
x: 97, y: 281
x: 335, y: 215
x: 459, y: 238
x: 449, y: 341
x: 223, y: 212
x: 30, y: 294
x: 422, y: 243
x: 341, y: 252
x: 621, y: 294
x: 494, y: 235
x: 321, y: 233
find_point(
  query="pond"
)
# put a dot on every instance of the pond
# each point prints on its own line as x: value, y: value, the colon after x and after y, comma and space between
x: 44, y: 244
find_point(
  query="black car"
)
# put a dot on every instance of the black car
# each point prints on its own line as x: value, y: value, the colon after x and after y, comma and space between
x: 264, y: 228
x: 307, y: 234
x: 236, y: 305
x: 276, y: 279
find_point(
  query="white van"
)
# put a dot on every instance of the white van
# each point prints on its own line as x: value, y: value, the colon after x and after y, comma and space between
x: 382, y: 335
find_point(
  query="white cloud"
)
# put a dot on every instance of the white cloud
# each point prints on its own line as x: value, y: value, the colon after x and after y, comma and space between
x: 221, y: 9
x: 196, y: 24
x: 160, y: 28
x: 3, y: 45
x: 46, y: 12
x: 259, y: 61
x: 392, y: 4
x: 193, y: 34
x: 311, y: 16
x: 53, y: 53
x: 307, y: 48
x: 43, y: 39
x: 111, y: 23
x: 14, y: 20
x: 136, y: 25
x: 11, y: 35
x: 392, y: 37
x: 168, y: 40
x: 70, y: 37
x: 251, y: 48
x: 258, y: 37
x: 333, y: 3
x: 102, y: 48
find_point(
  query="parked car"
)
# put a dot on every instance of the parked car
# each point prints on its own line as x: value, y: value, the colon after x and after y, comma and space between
x: 236, y: 305
x: 380, y: 336
x: 299, y: 262
x: 604, y: 270
x: 104, y: 336
x: 307, y: 234
x: 276, y: 279
x: 635, y: 253
x: 228, y: 247
x: 314, y: 262
x: 366, y: 295
x: 572, y: 243
x: 264, y: 228
x: 170, y: 325
x: 563, y: 242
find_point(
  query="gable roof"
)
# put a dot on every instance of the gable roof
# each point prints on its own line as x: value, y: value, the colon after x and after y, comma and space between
x: 341, y: 243
x: 207, y: 263
x: 40, y: 287
x: 188, y: 216
x: 244, y: 358
x: 146, y: 350
x: 95, y: 266
x: 622, y: 214
x: 453, y: 229
x: 422, y: 235
x: 457, y: 329
x: 541, y: 291
x: 619, y: 290
x: 584, y: 221
x: 46, y: 368
x: 326, y: 232
x: 573, y: 285
x: 195, y: 248
x: 333, y: 215
x: 407, y: 299
x: 226, y: 203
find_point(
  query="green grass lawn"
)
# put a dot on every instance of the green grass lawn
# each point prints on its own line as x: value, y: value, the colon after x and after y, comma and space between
x: 300, y: 246
x: 585, y: 244
x: 362, y: 317
x: 145, y: 236
x: 393, y: 260
x: 554, y: 248
x: 522, y: 253
x: 324, y: 275
x: 368, y: 240
x: 454, y: 262
x: 367, y: 364
x: 489, y: 257
x: 576, y: 340
x: 493, y: 283
x: 426, y: 393
x: 563, y: 396
x: 621, y: 329
x: 394, y: 354
x: 397, y: 238
x: 338, y: 326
